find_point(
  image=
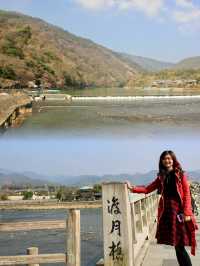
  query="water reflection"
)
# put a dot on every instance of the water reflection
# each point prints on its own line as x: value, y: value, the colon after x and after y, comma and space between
x: 132, y: 91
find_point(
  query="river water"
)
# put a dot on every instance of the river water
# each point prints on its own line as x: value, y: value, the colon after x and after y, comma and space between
x: 147, y: 91
x: 112, y: 118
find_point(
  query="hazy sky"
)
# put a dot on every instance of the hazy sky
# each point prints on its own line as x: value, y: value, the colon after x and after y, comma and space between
x: 76, y: 156
x: 161, y: 29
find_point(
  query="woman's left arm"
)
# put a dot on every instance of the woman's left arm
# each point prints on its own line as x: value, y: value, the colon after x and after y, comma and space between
x: 187, y: 207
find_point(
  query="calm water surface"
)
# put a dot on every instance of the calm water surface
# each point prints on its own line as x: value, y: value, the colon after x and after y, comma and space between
x: 147, y: 91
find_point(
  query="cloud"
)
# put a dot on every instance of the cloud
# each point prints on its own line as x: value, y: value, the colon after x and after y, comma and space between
x: 180, y: 12
x: 149, y: 7
x: 187, y: 16
x: 96, y: 4
x: 184, y: 3
x: 187, y: 12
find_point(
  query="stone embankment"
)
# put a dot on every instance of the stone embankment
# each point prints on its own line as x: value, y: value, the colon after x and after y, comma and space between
x: 13, y: 108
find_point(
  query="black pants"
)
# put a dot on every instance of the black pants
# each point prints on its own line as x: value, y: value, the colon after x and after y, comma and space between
x: 182, y: 256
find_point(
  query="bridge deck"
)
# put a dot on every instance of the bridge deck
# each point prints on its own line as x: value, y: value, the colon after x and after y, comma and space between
x: 163, y: 255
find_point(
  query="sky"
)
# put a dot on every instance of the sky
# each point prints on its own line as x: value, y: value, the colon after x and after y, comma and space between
x: 95, y: 156
x: 166, y: 30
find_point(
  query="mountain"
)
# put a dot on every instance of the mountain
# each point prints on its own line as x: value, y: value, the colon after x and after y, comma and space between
x: 194, y: 175
x: 47, y: 53
x: 20, y: 179
x: 9, y: 177
x: 145, y: 64
x: 189, y: 63
x: 138, y: 178
x: 34, y: 179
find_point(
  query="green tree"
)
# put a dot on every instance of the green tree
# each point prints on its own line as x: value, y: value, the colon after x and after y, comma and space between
x: 68, y: 81
x: 7, y: 72
x: 59, y: 194
x: 4, y: 197
x: 25, y: 34
x: 27, y: 195
x: 97, y: 188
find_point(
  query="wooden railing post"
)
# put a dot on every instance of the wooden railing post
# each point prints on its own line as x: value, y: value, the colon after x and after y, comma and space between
x: 117, y: 229
x: 73, y: 238
x: 32, y: 251
x: 134, y: 231
x: 139, y: 214
x: 144, y: 212
x: 149, y: 208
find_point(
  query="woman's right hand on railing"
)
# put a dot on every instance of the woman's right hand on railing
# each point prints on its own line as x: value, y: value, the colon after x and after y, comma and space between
x: 129, y: 186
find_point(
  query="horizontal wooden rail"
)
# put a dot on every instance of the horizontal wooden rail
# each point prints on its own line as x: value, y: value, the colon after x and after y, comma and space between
x: 44, y: 205
x: 72, y: 228
x: 31, y: 259
x: 32, y: 225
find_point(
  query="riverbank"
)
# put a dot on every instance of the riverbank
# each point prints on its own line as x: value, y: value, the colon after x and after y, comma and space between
x: 13, y: 108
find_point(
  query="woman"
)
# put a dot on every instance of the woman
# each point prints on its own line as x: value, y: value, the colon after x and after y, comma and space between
x: 176, y: 223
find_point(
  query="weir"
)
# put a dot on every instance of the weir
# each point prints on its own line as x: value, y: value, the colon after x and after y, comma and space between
x: 77, y: 98
x: 133, y: 98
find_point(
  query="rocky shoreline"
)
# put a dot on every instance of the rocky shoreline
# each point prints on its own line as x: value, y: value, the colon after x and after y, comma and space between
x: 13, y: 108
x: 195, y: 191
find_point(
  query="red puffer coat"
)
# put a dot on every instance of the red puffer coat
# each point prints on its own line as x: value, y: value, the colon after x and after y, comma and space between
x: 183, y: 190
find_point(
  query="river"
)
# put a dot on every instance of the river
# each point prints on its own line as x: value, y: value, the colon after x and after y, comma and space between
x: 112, y: 118
x: 146, y: 91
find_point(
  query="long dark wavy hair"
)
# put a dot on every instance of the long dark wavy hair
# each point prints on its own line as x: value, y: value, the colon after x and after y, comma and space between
x: 176, y: 165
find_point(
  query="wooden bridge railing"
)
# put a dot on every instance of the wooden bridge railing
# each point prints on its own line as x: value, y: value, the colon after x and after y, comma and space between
x: 71, y: 224
x: 128, y: 221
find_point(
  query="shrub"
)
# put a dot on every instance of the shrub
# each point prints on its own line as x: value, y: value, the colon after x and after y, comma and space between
x: 27, y: 195
x: 48, y: 69
x: 11, y: 49
x: 7, y: 72
x: 30, y: 64
x: 15, y: 41
x: 51, y: 56
x: 25, y: 34
x: 59, y: 195
x: 4, y: 197
x: 71, y: 82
